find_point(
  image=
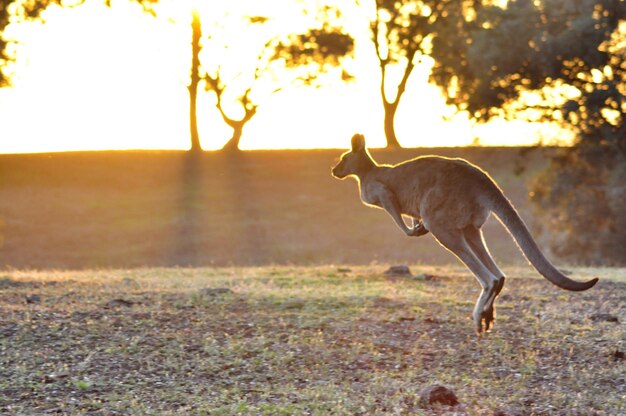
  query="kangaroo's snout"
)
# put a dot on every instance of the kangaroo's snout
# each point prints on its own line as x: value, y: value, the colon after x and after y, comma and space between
x: 335, y: 172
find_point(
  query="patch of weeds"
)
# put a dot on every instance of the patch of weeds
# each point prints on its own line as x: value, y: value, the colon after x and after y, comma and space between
x: 456, y: 302
x: 281, y: 282
x: 82, y: 385
x: 207, y: 297
x: 7, y: 282
x: 527, y: 368
x: 270, y: 409
x: 290, y: 304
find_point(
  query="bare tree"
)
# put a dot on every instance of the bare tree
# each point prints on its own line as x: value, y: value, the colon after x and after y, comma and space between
x: 282, y: 61
x: 9, y: 9
x: 196, y: 34
x: 31, y: 10
x: 401, y: 32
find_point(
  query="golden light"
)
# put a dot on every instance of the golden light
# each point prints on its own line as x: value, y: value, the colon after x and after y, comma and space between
x: 86, y: 86
x: 93, y: 78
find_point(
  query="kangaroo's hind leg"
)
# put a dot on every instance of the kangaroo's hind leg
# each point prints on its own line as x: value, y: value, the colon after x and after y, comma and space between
x: 474, y: 237
x: 454, y: 240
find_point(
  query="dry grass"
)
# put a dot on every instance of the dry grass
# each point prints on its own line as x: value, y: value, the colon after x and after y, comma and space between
x: 134, y: 209
x: 304, y: 341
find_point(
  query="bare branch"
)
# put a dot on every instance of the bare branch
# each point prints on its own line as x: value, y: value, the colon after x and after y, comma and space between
x: 405, y: 77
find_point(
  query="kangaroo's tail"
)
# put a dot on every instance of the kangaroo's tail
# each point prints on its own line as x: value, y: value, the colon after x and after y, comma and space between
x: 507, y: 214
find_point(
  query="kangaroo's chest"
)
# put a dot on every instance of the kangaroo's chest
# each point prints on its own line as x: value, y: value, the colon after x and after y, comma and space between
x: 371, y: 196
x: 406, y: 200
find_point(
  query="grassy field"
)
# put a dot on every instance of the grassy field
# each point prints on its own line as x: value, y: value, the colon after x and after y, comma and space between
x: 99, y: 313
x: 134, y: 209
x: 289, y: 340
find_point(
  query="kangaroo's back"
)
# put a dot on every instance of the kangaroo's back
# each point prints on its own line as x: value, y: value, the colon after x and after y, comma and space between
x: 448, y: 173
x: 442, y: 189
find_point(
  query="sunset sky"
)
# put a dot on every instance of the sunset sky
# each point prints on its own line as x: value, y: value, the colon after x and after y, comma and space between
x: 94, y: 78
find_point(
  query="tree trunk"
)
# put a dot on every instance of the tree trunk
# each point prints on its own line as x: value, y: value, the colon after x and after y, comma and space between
x: 232, y: 145
x: 193, y: 122
x: 390, y: 130
x: 196, y: 31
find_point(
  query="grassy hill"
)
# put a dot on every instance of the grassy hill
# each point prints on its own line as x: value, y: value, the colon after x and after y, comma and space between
x: 128, y: 209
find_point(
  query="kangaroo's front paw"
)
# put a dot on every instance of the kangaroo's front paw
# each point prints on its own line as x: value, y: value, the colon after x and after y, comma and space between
x: 417, y: 230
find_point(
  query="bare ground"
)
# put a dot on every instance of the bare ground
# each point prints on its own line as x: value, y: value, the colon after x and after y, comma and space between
x: 305, y: 341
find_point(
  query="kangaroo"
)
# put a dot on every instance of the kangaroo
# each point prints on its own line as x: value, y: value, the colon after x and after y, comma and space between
x: 451, y: 199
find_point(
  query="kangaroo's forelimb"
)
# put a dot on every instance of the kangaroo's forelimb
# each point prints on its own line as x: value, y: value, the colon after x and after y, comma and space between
x: 418, y: 228
x: 388, y: 201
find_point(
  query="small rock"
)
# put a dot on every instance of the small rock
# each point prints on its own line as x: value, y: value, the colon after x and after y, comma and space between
x: 425, y: 276
x: 293, y: 304
x: 603, y: 317
x: 437, y: 394
x: 406, y: 318
x: 119, y: 302
x: 52, y: 378
x: 33, y: 299
x: 618, y: 355
x: 214, y: 291
x: 401, y: 270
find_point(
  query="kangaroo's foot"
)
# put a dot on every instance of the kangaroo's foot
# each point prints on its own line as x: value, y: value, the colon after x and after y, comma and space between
x: 484, y: 321
x: 488, y: 315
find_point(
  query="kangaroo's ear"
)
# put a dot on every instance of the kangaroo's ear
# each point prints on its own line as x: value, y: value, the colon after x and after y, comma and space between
x: 358, y: 142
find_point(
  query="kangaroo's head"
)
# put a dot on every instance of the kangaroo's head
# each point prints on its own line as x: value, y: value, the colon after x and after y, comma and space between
x: 354, y: 162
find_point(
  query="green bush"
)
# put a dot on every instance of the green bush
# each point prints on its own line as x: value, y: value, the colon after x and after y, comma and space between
x: 581, y: 199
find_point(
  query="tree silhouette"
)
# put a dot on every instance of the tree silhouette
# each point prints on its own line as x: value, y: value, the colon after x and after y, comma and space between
x: 11, y: 10
x: 21, y: 10
x: 282, y: 61
x: 488, y: 65
x: 401, y: 32
x: 196, y: 34
x: 559, y: 61
x: 4, y: 21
